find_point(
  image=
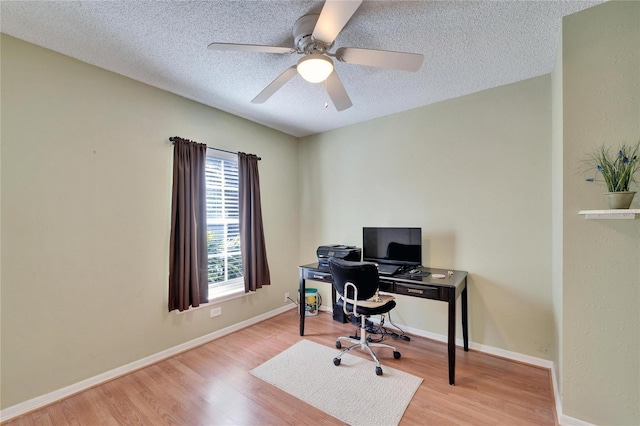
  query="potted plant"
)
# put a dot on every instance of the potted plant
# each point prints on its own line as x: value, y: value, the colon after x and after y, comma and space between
x: 618, y: 171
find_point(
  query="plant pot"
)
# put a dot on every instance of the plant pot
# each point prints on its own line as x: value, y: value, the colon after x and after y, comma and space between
x: 619, y: 200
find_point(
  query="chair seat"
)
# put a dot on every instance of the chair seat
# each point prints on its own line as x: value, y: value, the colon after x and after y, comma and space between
x: 367, y: 311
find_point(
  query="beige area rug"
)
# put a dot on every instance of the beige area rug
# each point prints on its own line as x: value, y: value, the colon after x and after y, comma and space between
x: 350, y: 392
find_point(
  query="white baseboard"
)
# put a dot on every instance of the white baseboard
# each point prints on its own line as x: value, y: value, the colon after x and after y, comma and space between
x: 562, y: 419
x: 514, y: 356
x: 556, y: 393
x: 570, y: 421
x: 40, y: 401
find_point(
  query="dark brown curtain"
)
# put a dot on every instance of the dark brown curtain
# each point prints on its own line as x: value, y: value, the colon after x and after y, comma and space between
x: 188, y: 284
x: 254, y: 254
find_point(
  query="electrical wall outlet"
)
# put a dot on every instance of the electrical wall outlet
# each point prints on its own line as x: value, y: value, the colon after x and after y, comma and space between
x: 216, y: 312
x: 286, y: 297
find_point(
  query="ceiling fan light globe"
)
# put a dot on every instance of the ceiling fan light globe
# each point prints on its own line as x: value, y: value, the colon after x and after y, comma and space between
x: 315, y: 68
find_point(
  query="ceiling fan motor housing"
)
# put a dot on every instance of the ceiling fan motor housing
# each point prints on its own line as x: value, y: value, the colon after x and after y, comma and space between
x: 302, y: 31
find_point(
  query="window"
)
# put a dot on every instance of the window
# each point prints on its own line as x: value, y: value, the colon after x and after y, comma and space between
x: 223, y: 228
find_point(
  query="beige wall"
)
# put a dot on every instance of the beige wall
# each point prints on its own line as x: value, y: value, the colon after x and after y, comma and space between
x: 491, y: 179
x: 601, y: 258
x: 86, y: 178
x: 474, y: 173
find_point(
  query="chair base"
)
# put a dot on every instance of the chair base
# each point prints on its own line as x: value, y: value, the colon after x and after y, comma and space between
x: 363, y: 344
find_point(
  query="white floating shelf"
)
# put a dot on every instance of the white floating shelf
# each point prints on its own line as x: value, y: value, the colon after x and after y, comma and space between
x: 610, y: 214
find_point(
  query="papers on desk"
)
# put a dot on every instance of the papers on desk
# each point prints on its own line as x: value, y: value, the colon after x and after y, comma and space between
x: 372, y: 303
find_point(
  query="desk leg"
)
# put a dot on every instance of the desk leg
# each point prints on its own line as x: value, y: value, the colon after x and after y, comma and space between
x: 302, y: 301
x: 465, y: 326
x: 452, y: 336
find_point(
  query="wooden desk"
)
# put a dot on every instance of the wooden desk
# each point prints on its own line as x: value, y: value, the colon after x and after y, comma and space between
x: 443, y: 289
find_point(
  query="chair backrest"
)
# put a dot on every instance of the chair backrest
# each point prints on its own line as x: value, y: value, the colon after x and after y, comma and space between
x: 397, y: 251
x: 364, y: 275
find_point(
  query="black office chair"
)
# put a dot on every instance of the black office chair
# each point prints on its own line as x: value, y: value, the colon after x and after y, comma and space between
x: 357, y: 287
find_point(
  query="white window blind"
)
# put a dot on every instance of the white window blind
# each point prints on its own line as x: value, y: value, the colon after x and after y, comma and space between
x: 223, y: 229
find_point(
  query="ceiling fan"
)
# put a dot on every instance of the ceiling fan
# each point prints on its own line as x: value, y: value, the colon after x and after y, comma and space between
x: 314, y: 35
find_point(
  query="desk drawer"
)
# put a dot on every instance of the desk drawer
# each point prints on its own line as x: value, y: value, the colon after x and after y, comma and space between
x: 318, y: 276
x: 426, y: 291
x: 388, y: 286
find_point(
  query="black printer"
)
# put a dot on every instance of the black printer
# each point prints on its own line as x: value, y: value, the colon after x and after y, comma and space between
x: 338, y: 251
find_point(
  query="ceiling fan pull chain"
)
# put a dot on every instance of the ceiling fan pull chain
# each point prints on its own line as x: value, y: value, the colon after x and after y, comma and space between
x: 326, y: 101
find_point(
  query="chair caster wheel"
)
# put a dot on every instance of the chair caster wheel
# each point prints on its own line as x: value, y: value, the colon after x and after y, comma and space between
x: 338, y: 344
x: 378, y: 371
x: 336, y: 361
x: 396, y: 354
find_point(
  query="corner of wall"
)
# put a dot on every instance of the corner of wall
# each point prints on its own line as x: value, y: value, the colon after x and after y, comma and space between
x: 556, y: 217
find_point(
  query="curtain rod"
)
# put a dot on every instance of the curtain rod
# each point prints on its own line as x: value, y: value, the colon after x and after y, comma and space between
x: 174, y: 138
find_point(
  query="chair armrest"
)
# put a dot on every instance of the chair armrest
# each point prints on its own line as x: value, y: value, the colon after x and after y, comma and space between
x: 351, y: 301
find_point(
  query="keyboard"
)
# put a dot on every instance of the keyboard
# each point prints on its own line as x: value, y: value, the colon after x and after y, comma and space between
x: 384, y: 269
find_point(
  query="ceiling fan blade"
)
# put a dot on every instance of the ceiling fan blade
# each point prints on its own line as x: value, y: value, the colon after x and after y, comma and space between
x: 275, y: 85
x: 250, y: 48
x: 337, y: 92
x: 380, y: 58
x: 334, y: 16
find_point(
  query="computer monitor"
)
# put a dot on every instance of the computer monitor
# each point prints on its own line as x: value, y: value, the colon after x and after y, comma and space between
x: 398, y: 246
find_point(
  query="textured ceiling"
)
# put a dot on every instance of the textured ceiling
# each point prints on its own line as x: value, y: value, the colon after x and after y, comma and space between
x: 468, y: 46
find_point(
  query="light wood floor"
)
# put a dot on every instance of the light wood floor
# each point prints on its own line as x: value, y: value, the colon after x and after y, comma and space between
x: 211, y: 385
